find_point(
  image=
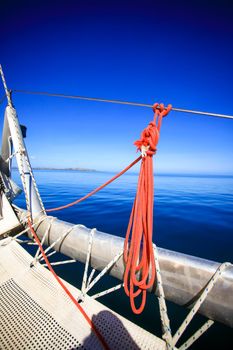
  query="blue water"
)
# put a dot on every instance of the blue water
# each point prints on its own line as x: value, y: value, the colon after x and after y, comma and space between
x: 193, y: 215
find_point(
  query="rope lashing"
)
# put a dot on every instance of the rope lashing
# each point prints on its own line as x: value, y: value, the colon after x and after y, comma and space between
x: 138, y: 247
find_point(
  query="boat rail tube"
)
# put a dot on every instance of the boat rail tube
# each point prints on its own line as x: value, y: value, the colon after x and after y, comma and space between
x: 184, y: 276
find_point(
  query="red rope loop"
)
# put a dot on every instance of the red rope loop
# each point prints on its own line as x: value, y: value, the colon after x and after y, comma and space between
x: 138, y: 247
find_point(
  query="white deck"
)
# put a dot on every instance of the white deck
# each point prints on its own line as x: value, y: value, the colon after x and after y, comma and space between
x: 35, y: 313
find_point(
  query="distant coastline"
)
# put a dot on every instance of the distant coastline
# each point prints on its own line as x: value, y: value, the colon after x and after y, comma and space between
x: 168, y: 174
x: 66, y: 169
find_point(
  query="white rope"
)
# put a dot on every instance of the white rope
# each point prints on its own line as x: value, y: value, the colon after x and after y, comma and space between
x: 196, y: 335
x: 11, y: 156
x: 84, y: 282
x: 65, y: 234
x: 104, y: 271
x: 43, y: 239
x: 107, y: 291
x: 167, y: 335
x: 24, y: 241
x: 91, y: 276
x: 199, y: 301
x: 48, y: 255
x: 60, y: 262
x: 86, y: 286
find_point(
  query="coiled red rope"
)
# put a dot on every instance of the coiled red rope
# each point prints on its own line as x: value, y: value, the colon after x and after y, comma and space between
x: 138, y: 246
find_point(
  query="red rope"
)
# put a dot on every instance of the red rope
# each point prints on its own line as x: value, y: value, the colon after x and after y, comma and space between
x: 97, y: 189
x: 93, y: 327
x: 138, y: 253
x: 138, y: 247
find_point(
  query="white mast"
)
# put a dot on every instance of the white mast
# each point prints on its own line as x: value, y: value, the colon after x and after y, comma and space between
x: 32, y: 196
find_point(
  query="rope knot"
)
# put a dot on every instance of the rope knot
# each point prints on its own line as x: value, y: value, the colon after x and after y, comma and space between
x: 150, y: 135
x: 159, y: 108
x: 148, y: 141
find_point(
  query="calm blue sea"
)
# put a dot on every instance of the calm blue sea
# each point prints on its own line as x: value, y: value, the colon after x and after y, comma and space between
x: 193, y: 215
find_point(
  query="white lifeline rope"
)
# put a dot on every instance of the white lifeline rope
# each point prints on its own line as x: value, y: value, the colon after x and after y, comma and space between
x: 84, y: 282
x: 65, y: 234
x: 11, y: 156
x: 48, y: 255
x: 167, y: 336
x: 171, y: 342
x: 196, y: 335
x: 43, y: 239
x: 90, y: 277
x: 88, y: 283
x: 107, y: 291
x: 199, y: 301
x: 62, y: 262
x: 18, y: 240
x: 104, y: 271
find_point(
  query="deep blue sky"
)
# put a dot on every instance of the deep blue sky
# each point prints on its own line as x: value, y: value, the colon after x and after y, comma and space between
x: 178, y: 52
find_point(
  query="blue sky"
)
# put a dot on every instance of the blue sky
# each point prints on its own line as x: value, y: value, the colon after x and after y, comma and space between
x: 177, y: 52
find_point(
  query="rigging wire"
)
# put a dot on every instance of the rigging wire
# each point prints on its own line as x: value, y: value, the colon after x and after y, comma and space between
x: 120, y: 102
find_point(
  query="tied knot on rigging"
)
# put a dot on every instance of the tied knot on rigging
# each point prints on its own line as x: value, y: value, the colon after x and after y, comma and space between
x: 140, y: 269
x: 150, y: 135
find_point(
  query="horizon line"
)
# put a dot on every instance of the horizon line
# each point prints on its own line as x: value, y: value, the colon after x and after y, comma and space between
x: 159, y: 173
